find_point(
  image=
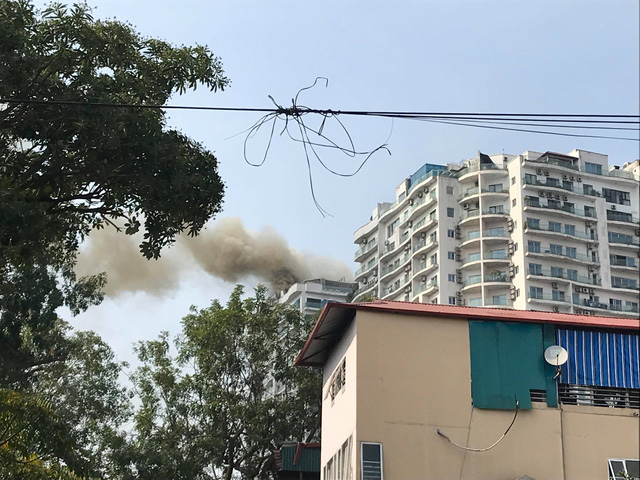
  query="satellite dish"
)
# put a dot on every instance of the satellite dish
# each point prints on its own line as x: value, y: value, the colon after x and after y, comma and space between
x: 556, y: 355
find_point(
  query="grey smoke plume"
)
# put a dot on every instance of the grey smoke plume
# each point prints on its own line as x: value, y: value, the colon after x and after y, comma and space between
x: 226, y: 251
x: 230, y: 252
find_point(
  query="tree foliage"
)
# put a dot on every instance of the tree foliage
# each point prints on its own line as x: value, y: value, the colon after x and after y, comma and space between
x: 206, y: 412
x: 67, y: 169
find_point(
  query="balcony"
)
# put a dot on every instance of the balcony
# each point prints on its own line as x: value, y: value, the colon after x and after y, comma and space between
x: 469, y: 193
x: 365, y: 290
x: 621, y: 217
x: 426, y: 267
x: 578, y: 257
x: 395, y: 266
x: 427, y: 288
x: 545, y: 274
x: 496, y: 277
x: 549, y: 297
x: 561, y: 209
x: 622, y: 240
x: 469, y: 215
x: 566, y: 187
x: 496, y: 211
x: 546, y: 228
x: 364, y: 271
x: 546, y: 161
x: 624, y: 283
x: 363, y: 250
x: 424, y: 246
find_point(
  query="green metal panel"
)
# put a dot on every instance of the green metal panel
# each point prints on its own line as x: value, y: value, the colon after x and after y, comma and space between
x: 506, y: 362
x: 309, y: 460
x: 548, y: 339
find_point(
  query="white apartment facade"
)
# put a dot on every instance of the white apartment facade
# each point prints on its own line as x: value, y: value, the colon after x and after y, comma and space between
x: 309, y: 296
x: 536, y: 231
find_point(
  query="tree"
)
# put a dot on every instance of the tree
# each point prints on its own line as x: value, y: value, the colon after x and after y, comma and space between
x: 67, y: 168
x: 206, y: 412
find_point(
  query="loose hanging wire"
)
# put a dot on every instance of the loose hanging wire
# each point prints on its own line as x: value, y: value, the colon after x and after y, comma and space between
x: 312, y: 139
x: 469, y: 449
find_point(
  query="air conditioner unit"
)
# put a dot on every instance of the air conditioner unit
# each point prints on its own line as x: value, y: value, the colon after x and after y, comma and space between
x: 423, y: 257
x: 364, y: 241
x: 554, y: 284
x: 637, y: 232
x: 458, y: 278
x: 613, y: 207
x: 458, y: 257
x: 476, y: 184
x: 550, y: 194
x: 572, y: 178
x: 423, y: 278
x: 411, y: 202
x: 407, y: 268
x: 466, y: 206
x: 541, y: 193
x: 546, y: 173
x: 564, y: 177
x: 426, y: 190
x: 386, y: 243
x: 458, y: 250
x: 564, y: 198
x: 556, y: 309
x: 539, y: 171
x: 579, y: 179
x: 420, y: 195
x: 409, y: 224
x: 407, y: 289
x: 423, y: 235
x: 591, y: 268
x: 557, y: 197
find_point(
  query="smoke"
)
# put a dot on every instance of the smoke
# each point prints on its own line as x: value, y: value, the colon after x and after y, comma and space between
x: 226, y: 251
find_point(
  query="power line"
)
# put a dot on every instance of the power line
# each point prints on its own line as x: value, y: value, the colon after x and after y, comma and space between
x: 487, y: 120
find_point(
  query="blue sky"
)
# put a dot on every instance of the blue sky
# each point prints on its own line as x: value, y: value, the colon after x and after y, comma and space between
x: 484, y: 56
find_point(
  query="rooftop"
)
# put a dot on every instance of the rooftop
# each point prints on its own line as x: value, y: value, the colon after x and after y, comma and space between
x: 335, y: 318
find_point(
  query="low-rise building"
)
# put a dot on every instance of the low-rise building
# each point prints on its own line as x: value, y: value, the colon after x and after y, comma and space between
x: 423, y: 391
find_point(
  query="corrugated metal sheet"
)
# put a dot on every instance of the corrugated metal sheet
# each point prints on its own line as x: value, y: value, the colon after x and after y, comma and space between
x: 308, y: 461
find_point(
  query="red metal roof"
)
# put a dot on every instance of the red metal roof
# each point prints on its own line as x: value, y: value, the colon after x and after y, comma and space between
x: 335, y: 317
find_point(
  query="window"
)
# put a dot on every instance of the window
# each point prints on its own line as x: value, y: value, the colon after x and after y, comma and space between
x: 451, y: 255
x: 622, y: 469
x: 474, y: 279
x: 535, y: 292
x: 557, y: 295
x: 620, y: 238
x: 499, y: 299
x: 433, y: 237
x: 567, y: 185
x: 500, y: 254
x: 475, y: 302
x: 593, y: 168
x: 535, y: 269
x: 450, y: 212
x: 402, y: 196
x: 371, y: 461
x: 432, y: 215
x: 496, y: 232
x: 530, y: 179
x: 338, y: 379
x: 619, y: 216
x: 621, y: 260
x: 449, y: 190
x: 496, y: 209
x: 513, y: 202
x: 533, y: 223
x: 589, y: 190
x: 434, y: 259
x: 392, y: 228
x: 451, y: 277
x: 452, y: 300
x: 615, y: 304
x: 451, y: 233
x: 555, y: 227
x: 616, y: 196
x: 589, y: 211
x: 571, y: 252
x: 569, y: 207
x: 533, y: 246
x: 555, y: 204
x: 621, y: 282
x: 473, y: 257
x: 570, y: 230
x: 496, y: 187
x: 575, y: 298
x: 553, y: 182
x: 572, y: 274
x: 556, y: 272
x: 473, y: 234
x: 555, y: 249
x: 513, y: 180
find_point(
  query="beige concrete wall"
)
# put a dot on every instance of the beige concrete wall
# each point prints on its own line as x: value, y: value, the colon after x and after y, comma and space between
x: 339, y: 414
x: 414, y: 377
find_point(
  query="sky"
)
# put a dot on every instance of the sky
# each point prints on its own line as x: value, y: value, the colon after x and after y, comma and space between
x: 468, y: 56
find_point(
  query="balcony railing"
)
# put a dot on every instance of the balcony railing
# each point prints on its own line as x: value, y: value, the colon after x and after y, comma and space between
x: 574, y: 278
x: 528, y: 202
x: 365, y: 268
x: 578, y: 256
x: 597, y: 396
x: 366, y: 248
x: 549, y: 297
x: 500, y: 277
x: 624, y: 239
x: 544, y: 227
x: 569, y: 187
x: 500, y: 211
x: 621, y: 217
x: 569, y: 165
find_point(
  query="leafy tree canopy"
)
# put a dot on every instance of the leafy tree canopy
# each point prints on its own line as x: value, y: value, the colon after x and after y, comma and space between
x: 207, y: 412
x: 65, y: 170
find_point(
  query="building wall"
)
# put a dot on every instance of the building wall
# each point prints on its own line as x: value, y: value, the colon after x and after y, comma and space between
x: 340, y: 413
x: 413, y: 377
x: 386, y: 271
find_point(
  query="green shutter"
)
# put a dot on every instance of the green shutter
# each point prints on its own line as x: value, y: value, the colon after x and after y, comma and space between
x: 506, y: 362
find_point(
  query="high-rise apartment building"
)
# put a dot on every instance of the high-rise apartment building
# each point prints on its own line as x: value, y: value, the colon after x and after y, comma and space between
x: 537, y: 231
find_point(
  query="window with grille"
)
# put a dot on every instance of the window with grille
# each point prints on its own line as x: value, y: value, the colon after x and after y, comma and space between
x: 371, y: 461
x: 623, y: 469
